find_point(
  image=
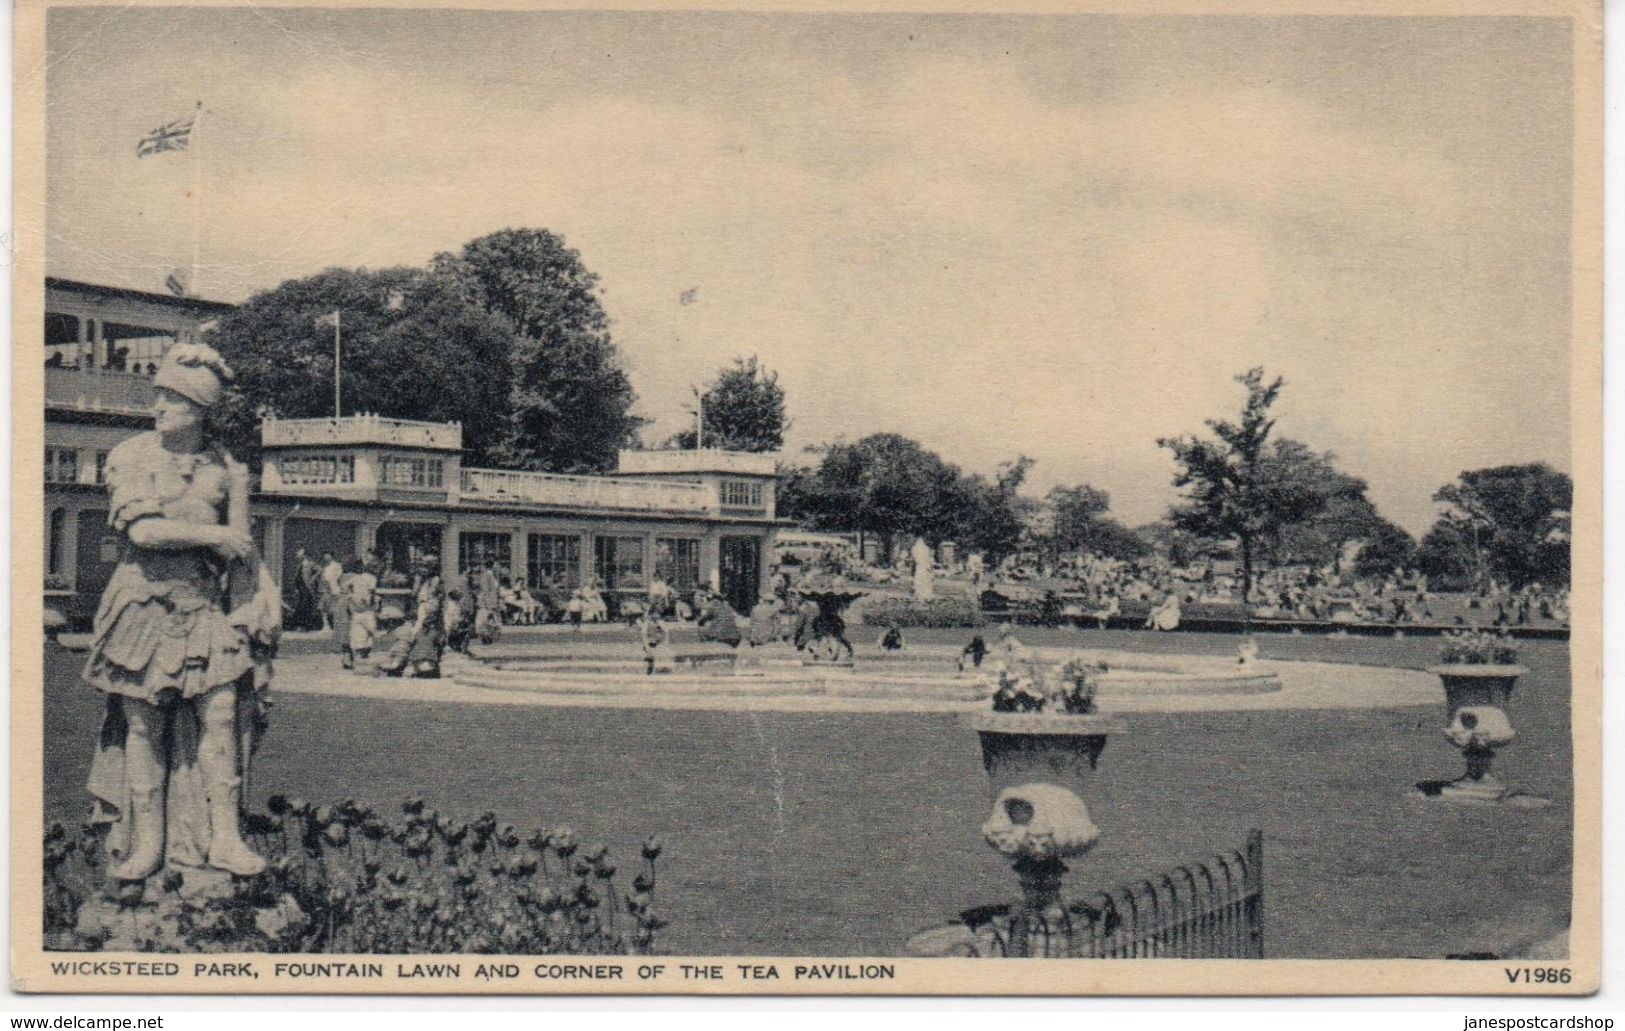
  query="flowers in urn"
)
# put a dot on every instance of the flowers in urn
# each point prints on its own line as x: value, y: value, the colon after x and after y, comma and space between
x: 1478, y: 648
x: 1034, y: 687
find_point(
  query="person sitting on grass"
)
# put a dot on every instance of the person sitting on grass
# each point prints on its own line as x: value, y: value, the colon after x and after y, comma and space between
x: 394, y: 643
x: 594, y: 608
x: 891, y: 640
x: 1104, y: 615
x: 632, y: 610
x: 459, y: 622
x: 976, y: 651
x: 718, y: 621
x: 518, y: 607
x: 1164, y: 616
x: 764, y: 620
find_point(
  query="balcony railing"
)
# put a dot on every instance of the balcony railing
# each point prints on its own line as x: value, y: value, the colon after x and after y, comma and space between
x: 705, y: 460
x: 361, y: 429
x: 90, y: 390
x: 527, y: 488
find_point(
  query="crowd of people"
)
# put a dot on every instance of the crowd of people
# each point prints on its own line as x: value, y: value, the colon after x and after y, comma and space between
x: 1099, y: 587
x: 385, y: 622
x: 390, y: 623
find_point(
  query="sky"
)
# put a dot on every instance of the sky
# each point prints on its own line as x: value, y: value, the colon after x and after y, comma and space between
x: 1052, y: 235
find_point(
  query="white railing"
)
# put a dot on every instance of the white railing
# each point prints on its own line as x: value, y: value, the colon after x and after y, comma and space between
x: 704, y: 460
x: 502, y: 486
x: 362, y: 429
x: 98, y: 390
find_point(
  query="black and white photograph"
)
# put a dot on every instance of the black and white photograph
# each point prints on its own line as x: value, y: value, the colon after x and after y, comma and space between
x: 783, y: 501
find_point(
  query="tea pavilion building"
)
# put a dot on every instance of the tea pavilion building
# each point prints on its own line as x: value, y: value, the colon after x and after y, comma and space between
x: 393, y: 487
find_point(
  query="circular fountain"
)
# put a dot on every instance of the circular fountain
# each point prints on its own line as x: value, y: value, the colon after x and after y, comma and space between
x: 920, y: 679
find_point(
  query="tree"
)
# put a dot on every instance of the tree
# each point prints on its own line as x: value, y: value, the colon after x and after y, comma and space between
x: 412, y: 348
x: 570, y: 401
x: 884, y: 484
x: 990, y: 515
x: 796, y: 496
x: 1179, y: 546
x: 1078, y: 512
x: 1509, y: 521
x: 1387, y: 547
x: 1448, y: 557
x: 1347, y: 518
x: 743, y: 410
x: 1081, y: 524
x: 1234, y: 487
x: 891, y: 486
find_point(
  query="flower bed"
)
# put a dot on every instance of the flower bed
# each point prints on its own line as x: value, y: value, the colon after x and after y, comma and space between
x: 345, y: 879
x: 932, y: 612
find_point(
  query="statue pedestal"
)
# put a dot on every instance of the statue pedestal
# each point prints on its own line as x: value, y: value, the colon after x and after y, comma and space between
x: 168, y: 913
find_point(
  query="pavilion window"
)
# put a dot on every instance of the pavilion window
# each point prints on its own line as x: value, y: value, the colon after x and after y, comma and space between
x: 618, y: 562
x: 303, y: 469
x: 63, y: 348
x: 474, y: 550
x: 677, y: 562
x: 554, y: 558
x: 61, y: 465
x: 742, y: 494
x: 135, y: 349
x: 405, y: 471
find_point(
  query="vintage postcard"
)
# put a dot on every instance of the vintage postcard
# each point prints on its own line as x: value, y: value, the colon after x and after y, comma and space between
x: 1096, y: 498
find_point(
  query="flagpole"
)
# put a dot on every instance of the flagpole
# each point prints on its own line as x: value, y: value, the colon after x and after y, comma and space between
x: 197, y: 200
x: 337, y: 316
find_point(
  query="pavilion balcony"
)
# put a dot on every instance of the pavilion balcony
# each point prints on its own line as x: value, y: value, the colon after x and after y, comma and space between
x: 498, y: 486
x: 97, y: 391
x: 361, y: 430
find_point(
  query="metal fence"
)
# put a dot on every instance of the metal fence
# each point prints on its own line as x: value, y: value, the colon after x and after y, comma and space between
x: 1208, y: 910
x: 1213, y: 909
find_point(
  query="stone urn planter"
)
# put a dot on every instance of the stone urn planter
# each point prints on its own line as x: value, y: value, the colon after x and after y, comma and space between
x: 1024, y: 748
x: 1039, y: 766
x: 1476, y: 696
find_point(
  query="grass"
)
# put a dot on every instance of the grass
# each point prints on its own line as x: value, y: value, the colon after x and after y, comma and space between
x: 841, y: 834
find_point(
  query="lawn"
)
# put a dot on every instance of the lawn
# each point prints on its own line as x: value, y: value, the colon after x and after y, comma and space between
x: 842, y: 834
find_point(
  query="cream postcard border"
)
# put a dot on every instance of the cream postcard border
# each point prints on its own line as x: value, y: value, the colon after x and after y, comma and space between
x: 31, y: 965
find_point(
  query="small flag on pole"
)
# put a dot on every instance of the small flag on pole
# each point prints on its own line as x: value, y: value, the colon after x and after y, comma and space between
x: 329, y: 321
x: 176, y: 135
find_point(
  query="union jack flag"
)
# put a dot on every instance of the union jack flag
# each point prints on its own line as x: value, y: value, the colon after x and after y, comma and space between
x: 176, y: 135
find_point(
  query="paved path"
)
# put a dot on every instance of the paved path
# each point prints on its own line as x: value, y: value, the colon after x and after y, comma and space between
x: 1305, y: 685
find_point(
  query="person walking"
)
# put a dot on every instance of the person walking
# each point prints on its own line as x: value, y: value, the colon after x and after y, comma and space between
x: 329, y: 588
x: 428, y: 626
x: 341, y: 613
x: 360, y: 601
x: 654, y: 641
x: 487, y: 600
x: 307, y: 592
